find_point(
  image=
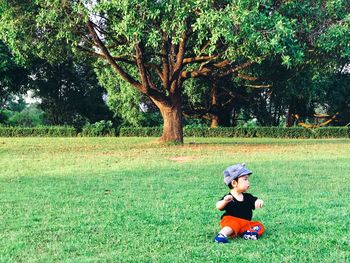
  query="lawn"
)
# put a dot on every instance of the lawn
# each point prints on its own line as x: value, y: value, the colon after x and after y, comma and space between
x: 133, y: 200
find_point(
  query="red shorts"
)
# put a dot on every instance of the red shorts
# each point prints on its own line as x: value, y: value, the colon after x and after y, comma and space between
x: 239, y: 225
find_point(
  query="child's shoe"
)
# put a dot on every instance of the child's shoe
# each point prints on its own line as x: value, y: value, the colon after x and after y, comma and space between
x: 248, y: 235
x: 220, y: 238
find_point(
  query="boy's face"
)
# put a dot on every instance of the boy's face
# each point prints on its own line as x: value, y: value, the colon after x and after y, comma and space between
x: 242, y: 184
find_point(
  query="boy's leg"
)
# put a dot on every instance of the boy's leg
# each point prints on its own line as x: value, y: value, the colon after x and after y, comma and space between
x: 252, y: 230
x: 230, y: 223
x: 230, y: 227
x: 257, y: 227
x: 226, y: 230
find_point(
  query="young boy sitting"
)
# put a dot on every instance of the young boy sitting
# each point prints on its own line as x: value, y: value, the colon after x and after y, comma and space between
x: 238, y: 206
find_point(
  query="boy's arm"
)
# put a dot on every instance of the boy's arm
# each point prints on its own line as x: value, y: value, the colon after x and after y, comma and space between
x: 222, y: 203
x: 259, y: 203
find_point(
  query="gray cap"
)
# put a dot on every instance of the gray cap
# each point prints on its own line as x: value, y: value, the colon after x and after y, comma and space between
x: 235, y: 171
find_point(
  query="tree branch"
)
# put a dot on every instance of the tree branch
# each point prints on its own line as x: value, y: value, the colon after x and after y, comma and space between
x: 165, y: 61
x: 204, y: 72
x: 222, y: 64
x: 237, y: 68
x: 246, y: 77
x: 121, y: 59
x: 148, y: 86
x: 205, y: 46
x: 155, y: 68
x: 103, y: 31
x: 199, y: 59
x: 181, y: 52
x: 179, y: 58
x: 110, y: 59
x: 141, y: 67
x: 259, y: 86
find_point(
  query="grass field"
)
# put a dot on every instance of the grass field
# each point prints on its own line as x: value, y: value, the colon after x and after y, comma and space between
x: 133, y: 200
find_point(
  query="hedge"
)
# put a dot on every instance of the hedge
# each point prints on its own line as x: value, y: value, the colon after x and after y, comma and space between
x: 332, y: 132
x: 141, y: 132
x: 98, y: 129
x: 260, y: 132
x: 40, y: 131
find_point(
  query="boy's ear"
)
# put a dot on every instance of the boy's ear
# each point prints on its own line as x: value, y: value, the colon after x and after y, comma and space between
x: 234, y: 183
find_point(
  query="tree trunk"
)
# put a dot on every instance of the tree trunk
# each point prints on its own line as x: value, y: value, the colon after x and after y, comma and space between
x: 289, y: 118
x: 214, y: 104
x: 221, y: 118
x: 172, y: 118
x: 219, y: 114
x: 214, y: 121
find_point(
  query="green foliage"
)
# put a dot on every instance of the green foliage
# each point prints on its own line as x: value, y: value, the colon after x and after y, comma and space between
x: 16, y: 104
x: 196, y: 94
x: 40, y: 131
x: 18, y: 113
x: 141, y: 132
x: 39, y: 28
x: 332, y: 132
x: 126, y: 102
x: 294, y: 34
x: 279, y: 132
x: 238, y: 31
x: 259, y: 132
x: 31, y: 116
x: 123, y: 100
x: 101, y: 128
x: 69, y: 91
x: 337, y: 97
x: 13, y: 77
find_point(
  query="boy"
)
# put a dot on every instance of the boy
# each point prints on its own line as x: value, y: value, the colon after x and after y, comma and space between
x: 238, y: 206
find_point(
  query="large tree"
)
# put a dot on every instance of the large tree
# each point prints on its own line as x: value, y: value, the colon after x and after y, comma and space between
x: 13, y: 77
x: 155, y: 46
x: 69, y: 92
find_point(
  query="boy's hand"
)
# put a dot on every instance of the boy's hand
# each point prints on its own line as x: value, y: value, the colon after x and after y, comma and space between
x: 228, y: 198
x: 259, y: 203
x: 222, y: 203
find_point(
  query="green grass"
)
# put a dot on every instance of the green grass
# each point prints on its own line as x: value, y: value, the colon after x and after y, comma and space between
x: 133, y: 200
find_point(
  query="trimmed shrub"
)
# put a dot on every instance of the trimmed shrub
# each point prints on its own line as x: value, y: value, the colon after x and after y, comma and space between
x: 219, y: 132
x: 281, y: 132
x: 40, y: 131
x: 141, y: 132
x: 101, y: 128
x: 260, y: 132
x: 196, y: 131
x: 332, y: 132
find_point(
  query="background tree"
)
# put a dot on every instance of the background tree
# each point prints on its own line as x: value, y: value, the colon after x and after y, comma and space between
x: 13, y: 77
x: 218, y: 101
x: 128, y: 104
x: 173, y: 41
x: 322, y: 28
x: 156, y: 45
x: 69, y: 92
x: 291, y: 91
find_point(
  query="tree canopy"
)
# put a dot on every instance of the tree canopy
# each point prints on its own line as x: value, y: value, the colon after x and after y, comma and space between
x: 13, y: 77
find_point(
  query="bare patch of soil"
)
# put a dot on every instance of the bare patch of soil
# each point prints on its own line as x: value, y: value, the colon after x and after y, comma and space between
x: 182, y: 159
